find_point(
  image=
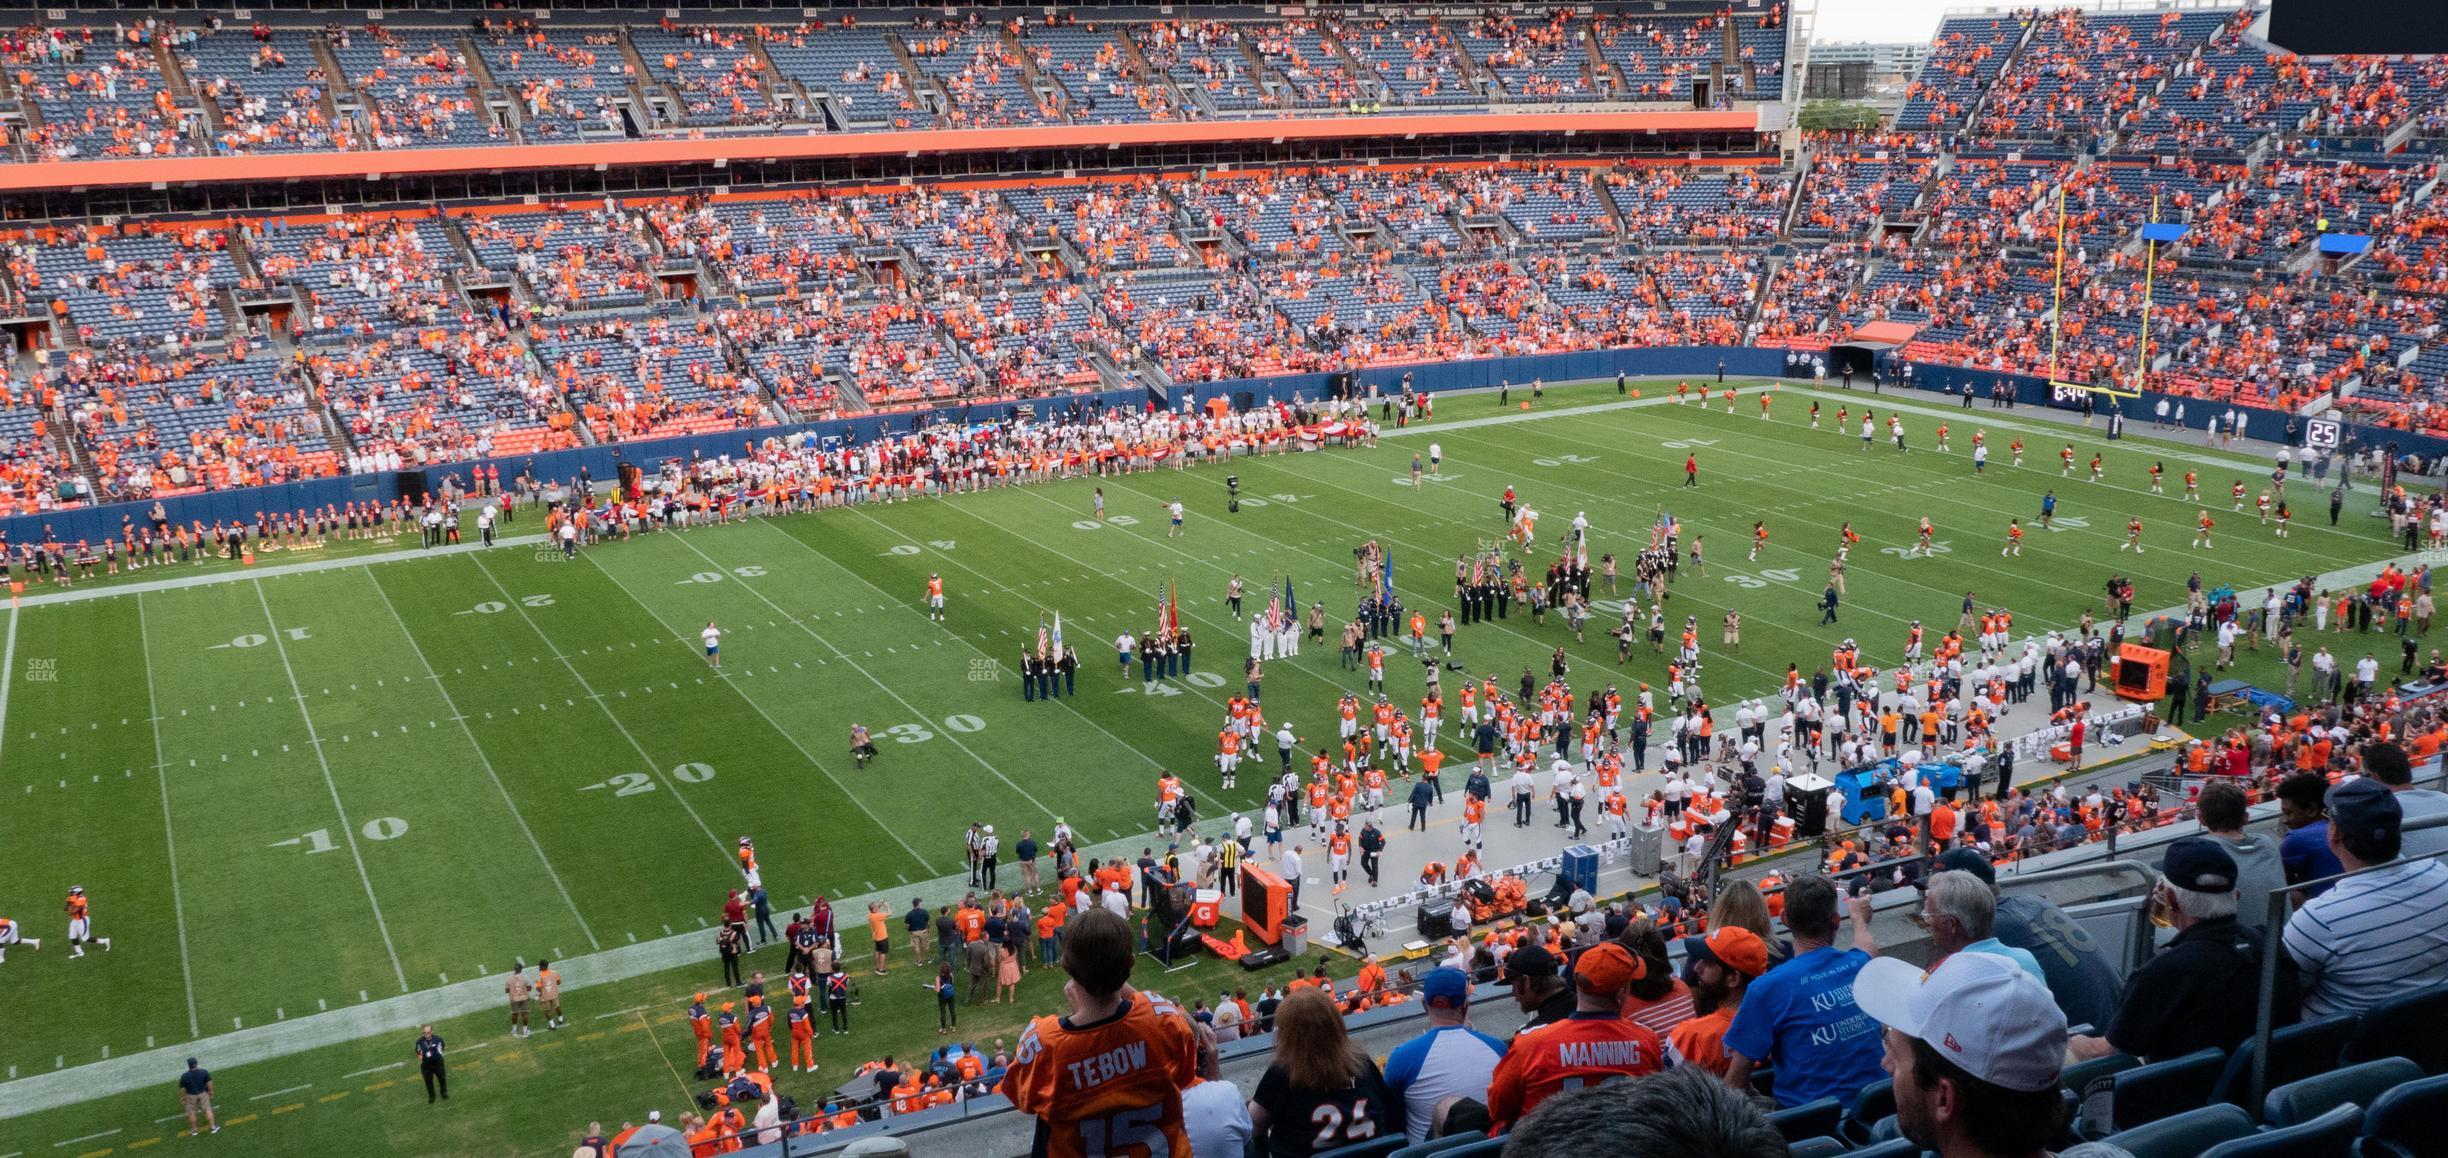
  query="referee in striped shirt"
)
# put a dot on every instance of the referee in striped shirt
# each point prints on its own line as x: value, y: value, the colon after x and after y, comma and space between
x: 2377, y: 934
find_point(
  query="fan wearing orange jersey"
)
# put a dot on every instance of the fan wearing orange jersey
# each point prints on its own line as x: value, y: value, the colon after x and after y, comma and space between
x: 1106, y: 1077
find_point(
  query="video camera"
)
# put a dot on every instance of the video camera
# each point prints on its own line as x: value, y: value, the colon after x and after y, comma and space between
x: 1232, y: 493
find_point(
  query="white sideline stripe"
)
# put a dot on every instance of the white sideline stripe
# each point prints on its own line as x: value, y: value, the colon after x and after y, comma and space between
x: 484, y: 760
x: 86, y: 1138
x: 621, y: 1012
x: 348, y: 830
x: 375, y: 1070
x: 161, y: 772
x: 279, y: 1093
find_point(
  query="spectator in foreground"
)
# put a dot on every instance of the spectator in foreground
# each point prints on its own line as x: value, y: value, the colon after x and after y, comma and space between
x: 1959, y: 910
x: 1324, y: 1091
x: 2387, y: 763
x: 1676, y: 1114
x: 2377, y: 935
x: 2076, y: 969
x: 2303, y: 806
x: 1538, y: 987
x: 2203, y: 990
x: 1723, y: 966
x: 2259, y: 872
x: 1450, y: 1061
x: 1975, y: 1046
x: 1213, y: 1110
x: 1076, y: 1105
x: 1594, y: 1044
x: 1800, y: 1016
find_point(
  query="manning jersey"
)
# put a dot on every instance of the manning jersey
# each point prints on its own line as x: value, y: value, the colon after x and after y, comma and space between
x: 1582, y: 1050
x: 1113, y: 1087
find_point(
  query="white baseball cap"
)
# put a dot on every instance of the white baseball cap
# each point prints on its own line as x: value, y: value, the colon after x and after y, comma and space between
x: 1978, y: 1010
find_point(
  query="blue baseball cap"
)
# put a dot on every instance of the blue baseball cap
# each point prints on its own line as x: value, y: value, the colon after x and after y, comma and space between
x: 1445, y: 988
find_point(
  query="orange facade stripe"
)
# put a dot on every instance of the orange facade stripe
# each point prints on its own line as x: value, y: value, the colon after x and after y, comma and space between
x: 706, y: 150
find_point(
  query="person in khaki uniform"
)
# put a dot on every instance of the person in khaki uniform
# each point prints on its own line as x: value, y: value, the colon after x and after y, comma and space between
x: 518, y: 987
x: 548, y: 995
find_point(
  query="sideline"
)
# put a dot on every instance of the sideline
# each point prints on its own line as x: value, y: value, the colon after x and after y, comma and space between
x: 2036, y: 422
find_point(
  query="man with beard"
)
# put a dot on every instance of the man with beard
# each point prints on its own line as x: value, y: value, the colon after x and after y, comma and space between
x: 1975, y: 1046
x: 1722, y: 965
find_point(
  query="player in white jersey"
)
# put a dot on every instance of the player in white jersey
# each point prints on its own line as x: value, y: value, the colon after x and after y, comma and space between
x: 712, y: 636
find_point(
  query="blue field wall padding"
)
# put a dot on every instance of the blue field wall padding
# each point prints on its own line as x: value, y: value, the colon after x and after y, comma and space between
x: 1698, y: 363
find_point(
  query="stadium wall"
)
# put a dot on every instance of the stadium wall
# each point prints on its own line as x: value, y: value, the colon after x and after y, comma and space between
x: 1698, y: 363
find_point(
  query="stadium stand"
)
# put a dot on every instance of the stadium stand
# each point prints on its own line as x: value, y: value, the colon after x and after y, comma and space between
x: 416, y: 339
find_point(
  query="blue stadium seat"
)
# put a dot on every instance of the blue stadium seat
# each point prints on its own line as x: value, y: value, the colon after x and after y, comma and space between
x: 1374, y: 1148
x: 1445, y: 1145
x: 2184, y: 1135
x: 1475, y: 1148
x: 2296, y: 1052
x: 2327, y: 1136
x: 2078, y: 1077
x: 1808, y: 1120
x: 2413, y: 1026
x: 1874, y: 1103
x: 1816, y: 1148
x: 2301, y: 1101
x: 2162, y: 1089
x: 2406, y: 1121
x: 1892, y: 1148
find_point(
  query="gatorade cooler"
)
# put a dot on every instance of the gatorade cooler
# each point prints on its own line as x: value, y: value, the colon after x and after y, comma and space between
x: 1206, y: 908
x: 1679, y: 831
x: 1581, y: 868
x: 1781, y: 833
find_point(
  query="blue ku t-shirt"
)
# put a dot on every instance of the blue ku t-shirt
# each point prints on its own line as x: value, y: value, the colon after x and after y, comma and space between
x: 1800, y: 1017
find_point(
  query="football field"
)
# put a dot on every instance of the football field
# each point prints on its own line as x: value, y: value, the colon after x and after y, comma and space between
x: 291, y: 790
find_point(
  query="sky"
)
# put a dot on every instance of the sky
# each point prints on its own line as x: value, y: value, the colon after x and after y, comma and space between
x: 1882, y: 21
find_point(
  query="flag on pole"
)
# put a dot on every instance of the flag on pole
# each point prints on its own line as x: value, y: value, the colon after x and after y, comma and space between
x: 1290, y: 604
x: 1172, y: 607
x: 1058, y: 644
x: 1385, y: 579
x: 1041, y: 633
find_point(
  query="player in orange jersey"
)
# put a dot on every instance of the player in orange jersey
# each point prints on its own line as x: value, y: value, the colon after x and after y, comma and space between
x: 2014, y: 538
x: 934, y: 594
x: 1106, y: 1077
x: 2133, y: 536
x: 10, y: 934
x: 80, y: 924
x: 802, y: 1036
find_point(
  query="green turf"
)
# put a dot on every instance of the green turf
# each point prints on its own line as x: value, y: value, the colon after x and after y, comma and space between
x: 513, y: 755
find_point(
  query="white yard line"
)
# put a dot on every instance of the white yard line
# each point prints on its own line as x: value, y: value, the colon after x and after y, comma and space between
x: 436, y: 679
x: 282, y: 1093
x: 348, y: 829
x: 982, y: 762
x: 653, y: 768
x: 1065, y: 701
x: 161, y: 772
x: 785, y: 733
x: 374, y: 1070
x: 85, y: 1138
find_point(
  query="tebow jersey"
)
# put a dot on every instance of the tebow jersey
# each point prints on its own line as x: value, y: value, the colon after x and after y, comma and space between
x: 1113, y: 1087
